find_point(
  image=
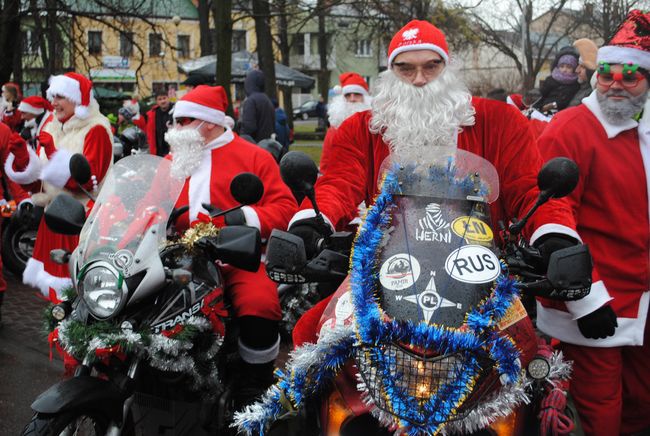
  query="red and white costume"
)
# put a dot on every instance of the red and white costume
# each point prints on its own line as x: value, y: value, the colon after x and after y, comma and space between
x: 611, y: 380
x: 339, y: 110
x: 87, y: 132
x: 251, y: 293
x: 11, y: 116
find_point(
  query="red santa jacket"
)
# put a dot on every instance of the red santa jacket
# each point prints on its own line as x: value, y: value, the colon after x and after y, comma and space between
x: 16, y: 191
x: 12, y: 119
x: 610, y: 205
x: 500, y: 134
x: 326, y: 154
x: 226, y: 157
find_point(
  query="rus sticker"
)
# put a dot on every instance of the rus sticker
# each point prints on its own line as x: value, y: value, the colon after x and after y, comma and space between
x: 472, y: 229
x: 472, y: 264
x: 399, y: 271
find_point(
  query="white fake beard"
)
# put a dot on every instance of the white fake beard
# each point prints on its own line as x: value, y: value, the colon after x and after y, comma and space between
x: 186, y: 148
x: 30, y: 123
x: 410, y: 117
x: 339, y: 109
x: 620, y: 111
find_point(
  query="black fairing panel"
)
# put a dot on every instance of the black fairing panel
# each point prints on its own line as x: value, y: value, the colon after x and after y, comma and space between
x: 82, y: 391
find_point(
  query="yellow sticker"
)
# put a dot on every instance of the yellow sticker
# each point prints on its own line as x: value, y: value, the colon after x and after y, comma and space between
x: 472, y: 229
x: 517, y: 312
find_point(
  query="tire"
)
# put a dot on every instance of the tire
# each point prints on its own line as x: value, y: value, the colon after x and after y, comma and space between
x: 17, y: 246
x: 305, y: 116
x: 92, y: 423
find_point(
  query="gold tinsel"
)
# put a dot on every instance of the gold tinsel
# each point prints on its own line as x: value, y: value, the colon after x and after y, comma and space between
x: 196, y: 232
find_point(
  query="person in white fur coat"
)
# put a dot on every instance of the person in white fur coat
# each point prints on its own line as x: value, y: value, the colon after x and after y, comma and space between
x: 77, y: 127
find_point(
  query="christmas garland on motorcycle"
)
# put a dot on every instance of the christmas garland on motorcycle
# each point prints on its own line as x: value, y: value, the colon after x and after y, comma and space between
x: 313, y: 366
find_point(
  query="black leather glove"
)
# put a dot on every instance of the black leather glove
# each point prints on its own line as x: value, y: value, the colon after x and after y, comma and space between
x: 312, y: 231
x: 550, y: 243
x: 598, y: 324
x: 235, y: 218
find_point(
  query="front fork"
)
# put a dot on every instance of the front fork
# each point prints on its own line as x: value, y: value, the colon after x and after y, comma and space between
x: 114, y: 428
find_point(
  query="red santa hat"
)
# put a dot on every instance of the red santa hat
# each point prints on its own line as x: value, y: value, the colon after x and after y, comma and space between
x: 34, y: 105
x: 517, y: 101
x: 74, y: 87
x: 15, y: 86
x: 630, y: 43
x: 206, y: 103
x: 353, y: 83
x: 418, y: 35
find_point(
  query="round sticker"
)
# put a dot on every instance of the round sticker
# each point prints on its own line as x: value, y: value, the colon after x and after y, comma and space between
x: 344, y: 308
x: 400, y: 271
x: 123, y: 259
x: 472, y: 229
x: 473, y: 264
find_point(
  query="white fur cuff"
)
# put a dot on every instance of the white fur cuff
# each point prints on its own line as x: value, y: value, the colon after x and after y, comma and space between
x: 252, y: 219
x: 57, y: 170
x: 308, y: 213
x: 29, y: 174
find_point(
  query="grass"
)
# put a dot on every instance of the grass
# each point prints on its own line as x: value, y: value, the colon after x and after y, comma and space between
x: 304, y: 127
x: 313, y: 152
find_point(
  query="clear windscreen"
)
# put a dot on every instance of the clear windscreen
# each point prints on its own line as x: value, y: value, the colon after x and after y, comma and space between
x: 137, y: 195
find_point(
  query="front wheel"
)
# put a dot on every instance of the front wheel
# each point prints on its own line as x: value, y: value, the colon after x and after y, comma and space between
x: 68, y: 423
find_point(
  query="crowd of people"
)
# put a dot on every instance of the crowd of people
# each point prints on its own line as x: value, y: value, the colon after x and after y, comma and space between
x: 590, y: 108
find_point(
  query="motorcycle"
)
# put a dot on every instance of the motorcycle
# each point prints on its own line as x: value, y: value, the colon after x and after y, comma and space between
x: 18, y: 237
x: 147, y: 316
x: 428, y: 335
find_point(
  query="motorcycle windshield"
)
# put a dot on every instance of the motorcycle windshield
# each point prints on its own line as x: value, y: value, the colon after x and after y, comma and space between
x: 437, y: 260
x: 133, y: 206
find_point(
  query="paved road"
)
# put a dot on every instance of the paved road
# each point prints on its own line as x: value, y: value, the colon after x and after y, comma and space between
x: 25, y: 368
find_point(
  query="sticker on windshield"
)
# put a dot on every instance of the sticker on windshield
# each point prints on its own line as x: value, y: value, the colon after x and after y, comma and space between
x: 400, y: 271
x: 429, y: 300
x: 122, y: 259
x: 433, y: 227
x: 472, y: 229
x: 472, y: 264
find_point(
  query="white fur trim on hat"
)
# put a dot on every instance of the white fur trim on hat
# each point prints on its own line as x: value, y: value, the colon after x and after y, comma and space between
x: 28, y: 108
x: 184, y: 108
x: 57, y: 170
x: 357, y: 89
x: 29, y: 174
x: 413, y: 47
x: 613, y: 54
x: 65, y: 87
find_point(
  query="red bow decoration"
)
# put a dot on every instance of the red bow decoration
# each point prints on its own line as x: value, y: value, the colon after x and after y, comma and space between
x: 54, y: 299
x: 172, y: 332
x: 218, y: 222
x: 53, y: 340
x: 215, y: 310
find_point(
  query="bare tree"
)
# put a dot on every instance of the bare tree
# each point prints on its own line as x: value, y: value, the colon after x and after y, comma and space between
x: 529, y: 42
x: 222, y: 10
x: 262, y: 17
x: 204, y: 27
x: 604, y: 16
x: 9, y: 28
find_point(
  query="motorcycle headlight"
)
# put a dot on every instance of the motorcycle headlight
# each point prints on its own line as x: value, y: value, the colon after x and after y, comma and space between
x: 103, y: 290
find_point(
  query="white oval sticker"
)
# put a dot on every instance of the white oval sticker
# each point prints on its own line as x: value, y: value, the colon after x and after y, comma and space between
x: 473, y: 264
x: 400, y: 271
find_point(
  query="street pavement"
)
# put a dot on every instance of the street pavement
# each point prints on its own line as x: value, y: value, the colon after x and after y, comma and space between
x: 25, y: 366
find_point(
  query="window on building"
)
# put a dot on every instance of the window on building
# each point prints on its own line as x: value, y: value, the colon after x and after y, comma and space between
x: 94, y: 42
x: 238, y: 40
x: 126, y: 44
x: 155, y: 44
x: 183, y: 44
x: 31, y: 43
x: 363, y: 48
x: 299, y: 43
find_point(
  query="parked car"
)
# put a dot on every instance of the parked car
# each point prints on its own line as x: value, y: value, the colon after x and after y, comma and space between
x: 306, y: 110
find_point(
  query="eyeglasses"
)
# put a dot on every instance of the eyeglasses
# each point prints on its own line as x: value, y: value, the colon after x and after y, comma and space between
x: 410, y: 71
x: 628, y: 81
x: 183, y: 121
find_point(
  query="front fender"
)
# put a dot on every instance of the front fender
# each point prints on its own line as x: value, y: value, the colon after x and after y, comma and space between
x: 81, y: 392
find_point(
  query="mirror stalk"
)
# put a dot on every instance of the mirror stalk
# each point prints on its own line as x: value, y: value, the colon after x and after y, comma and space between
x: 516, y: 227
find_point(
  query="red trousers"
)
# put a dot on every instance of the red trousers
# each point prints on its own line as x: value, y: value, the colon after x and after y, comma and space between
x: 611, y: 387
x: 252, y: 293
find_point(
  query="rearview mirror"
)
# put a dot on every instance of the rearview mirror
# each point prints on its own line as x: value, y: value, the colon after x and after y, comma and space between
x: 79, y: 168
x: 298, y: 171
x: 246, y: 188
x: 65, y: 215
x: 558, y: 177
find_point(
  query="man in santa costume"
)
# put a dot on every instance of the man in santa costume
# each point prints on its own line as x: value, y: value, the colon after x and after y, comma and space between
x: 606, y: 333
x: 35, y: 112
x: 207, y: 152
x: 77, y: 127
x: 420, y: 101
x: 352, y: 97
x: 9, y: 112
x: 17, y: 193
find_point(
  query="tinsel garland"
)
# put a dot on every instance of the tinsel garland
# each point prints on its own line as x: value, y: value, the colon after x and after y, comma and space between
x: 309, y: 369
x: 313, y: 365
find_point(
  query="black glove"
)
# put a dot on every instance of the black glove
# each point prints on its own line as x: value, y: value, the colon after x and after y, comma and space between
x: 235, y: 218
x: 312, y: 231
x: 598, y: 324
x: 26, y: 133
x: 550, y: 243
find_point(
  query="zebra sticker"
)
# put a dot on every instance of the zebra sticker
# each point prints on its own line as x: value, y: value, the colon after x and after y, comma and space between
x: 433, y: 227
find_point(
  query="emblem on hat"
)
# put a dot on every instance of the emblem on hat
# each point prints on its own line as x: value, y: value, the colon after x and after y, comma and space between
x: 410, y: 34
